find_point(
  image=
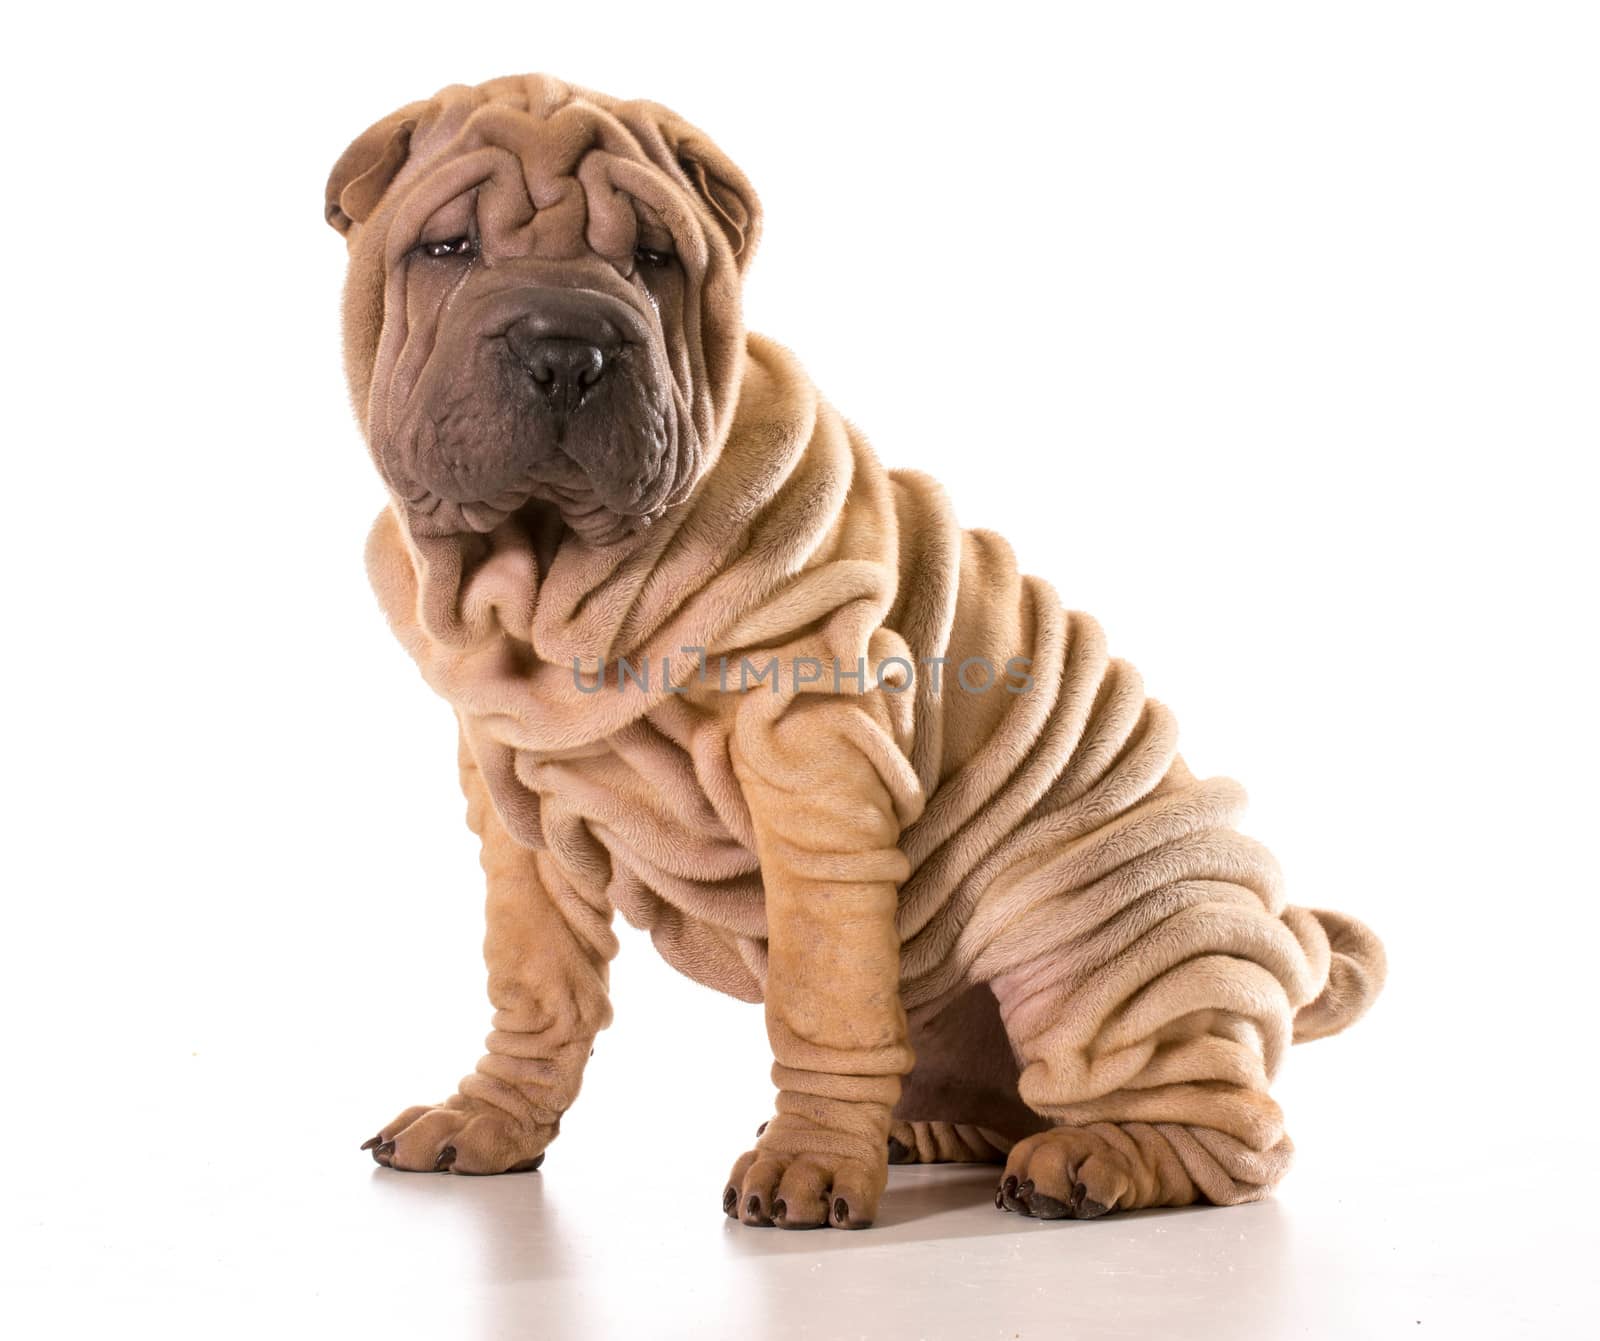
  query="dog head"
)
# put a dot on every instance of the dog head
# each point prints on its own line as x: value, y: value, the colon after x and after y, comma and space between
x: 542, y: 307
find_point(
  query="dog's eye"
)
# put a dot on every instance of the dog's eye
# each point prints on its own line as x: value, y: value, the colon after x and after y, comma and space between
x: 455, y: 246
x: 652, y: 257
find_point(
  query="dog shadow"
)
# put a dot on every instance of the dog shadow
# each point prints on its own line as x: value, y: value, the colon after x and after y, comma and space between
x: 924, y: 1204
x: 595, y: 1256
x: 532, y: 1227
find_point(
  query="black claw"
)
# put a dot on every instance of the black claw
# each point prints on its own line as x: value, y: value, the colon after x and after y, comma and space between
x: 999, y: 1199
x: 382, y: 1152
x: 762, y: 1128
x: 447, y: 1157
x: 844, y: 1219
x: 1025, y: 1191
x: 371, y: 1141
x: 780, y: 1208
x: 899, y: 1151
x: 730, y: 1199
x: 1048, y: 1208
x: 1008, y: 1195
x: 752, y: 1208
x: 1088, y: 1210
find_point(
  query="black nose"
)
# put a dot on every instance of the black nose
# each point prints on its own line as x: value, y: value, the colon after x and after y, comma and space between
x: 563, y: 370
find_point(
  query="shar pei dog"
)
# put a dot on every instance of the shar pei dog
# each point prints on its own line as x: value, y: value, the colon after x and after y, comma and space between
x: 717, y: 669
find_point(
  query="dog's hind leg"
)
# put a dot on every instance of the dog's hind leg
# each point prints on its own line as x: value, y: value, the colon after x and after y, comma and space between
x: 960, y: 1102
x: 1148, y: 972
x: 928, y: 1142
x: 1153, y: 1061
x: 1149, y: 1041
x: 1151, y: 1007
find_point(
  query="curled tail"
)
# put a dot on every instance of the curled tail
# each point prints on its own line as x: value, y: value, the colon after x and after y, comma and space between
x: 1355, y: 970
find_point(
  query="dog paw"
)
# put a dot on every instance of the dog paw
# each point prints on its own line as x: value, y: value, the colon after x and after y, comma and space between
x: 460, y: 1136
x: 783, y: 1183
x: 1065, y: 1173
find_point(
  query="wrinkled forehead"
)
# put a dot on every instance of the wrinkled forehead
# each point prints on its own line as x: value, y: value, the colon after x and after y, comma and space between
x: 551, y: 176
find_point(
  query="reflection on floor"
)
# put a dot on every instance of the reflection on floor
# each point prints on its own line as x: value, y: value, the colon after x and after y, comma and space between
x: 559, y: 1254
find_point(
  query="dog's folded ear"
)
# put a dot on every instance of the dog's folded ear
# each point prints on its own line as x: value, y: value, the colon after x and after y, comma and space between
x: 365, y: 169
x: 726, y: 192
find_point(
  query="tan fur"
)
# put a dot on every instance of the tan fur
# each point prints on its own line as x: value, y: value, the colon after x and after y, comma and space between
x: 1018, y: 911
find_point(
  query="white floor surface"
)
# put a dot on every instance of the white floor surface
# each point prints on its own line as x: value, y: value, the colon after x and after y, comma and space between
x: 269, y: 1222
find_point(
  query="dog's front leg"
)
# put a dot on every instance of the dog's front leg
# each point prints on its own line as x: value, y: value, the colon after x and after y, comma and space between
x: 547, y: 981
x: 827, y: 823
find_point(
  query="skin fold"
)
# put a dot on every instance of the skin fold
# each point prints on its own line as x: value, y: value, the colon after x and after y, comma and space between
x: 942, y: 836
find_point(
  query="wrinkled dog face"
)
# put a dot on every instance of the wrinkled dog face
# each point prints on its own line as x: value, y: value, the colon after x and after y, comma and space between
x: 542, y: 306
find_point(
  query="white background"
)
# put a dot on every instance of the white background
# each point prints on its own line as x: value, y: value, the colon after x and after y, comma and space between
x: 1266, y: 332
